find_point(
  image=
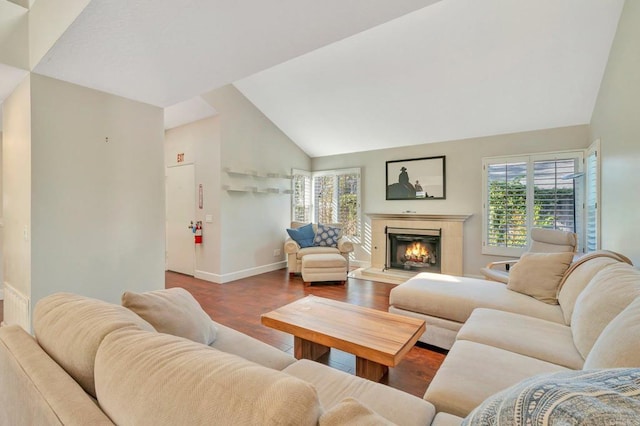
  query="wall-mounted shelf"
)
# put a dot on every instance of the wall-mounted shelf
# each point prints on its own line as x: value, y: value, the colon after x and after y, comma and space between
x: 238, y: 180
x: 255, y: 174
x: 231, y: 188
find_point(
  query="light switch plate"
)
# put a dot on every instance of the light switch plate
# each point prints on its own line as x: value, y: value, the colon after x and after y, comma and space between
x: 208, y: 218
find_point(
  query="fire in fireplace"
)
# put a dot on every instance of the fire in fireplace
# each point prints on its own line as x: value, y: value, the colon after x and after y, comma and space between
x: 413, y: 249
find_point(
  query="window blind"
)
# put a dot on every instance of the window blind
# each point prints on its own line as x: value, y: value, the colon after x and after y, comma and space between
x: 529, y: 191
x: 591, y: 199
x: 507, y: 204
x: 301, y: 196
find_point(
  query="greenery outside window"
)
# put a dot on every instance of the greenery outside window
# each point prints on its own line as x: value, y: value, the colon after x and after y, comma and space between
x: 328, y: 196
x: 522, y: 192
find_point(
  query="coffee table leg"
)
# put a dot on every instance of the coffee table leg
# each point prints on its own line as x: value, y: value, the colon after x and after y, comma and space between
x: 370, y: 370
x: 308, y: 350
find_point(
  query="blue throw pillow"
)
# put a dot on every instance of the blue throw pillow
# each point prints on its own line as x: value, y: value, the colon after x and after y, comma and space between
x: 303, y: 236
x: 327, y: 236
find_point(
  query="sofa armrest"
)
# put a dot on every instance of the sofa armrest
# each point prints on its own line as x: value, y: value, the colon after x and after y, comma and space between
x: 493, y: 265
x: 345, y: 245
x: 290, y: 246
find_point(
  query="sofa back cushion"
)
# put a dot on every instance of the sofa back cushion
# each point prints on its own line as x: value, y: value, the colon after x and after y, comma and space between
x: 579, y: 275
x: 70, y: 328
x: 619, y: 343
x: 154, y: 378
x: 609, y: 292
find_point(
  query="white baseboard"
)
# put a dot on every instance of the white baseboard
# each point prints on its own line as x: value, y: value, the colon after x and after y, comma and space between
x: 225, y: 278
x: 359, y: 263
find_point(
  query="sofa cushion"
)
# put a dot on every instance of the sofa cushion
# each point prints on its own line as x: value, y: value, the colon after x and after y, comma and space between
x: 326, y: 236
x: 303, y: 235
x: 454, y: 298
x: 351, y: 412
x: 173, y: 311
x: 592, y: 397
x: 70, y: 328
x: 472, y: 372
x: 538, y: 275
x: 316, y: 250
x: 237, y: 343
x: 619, y: 342
x: 608, y: 293
x: 577, y: 278
x: 533, y: 337
x: 154, y: 378
x: 333, y: 386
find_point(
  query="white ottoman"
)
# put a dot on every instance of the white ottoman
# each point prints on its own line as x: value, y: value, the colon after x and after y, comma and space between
x: 324, y: 267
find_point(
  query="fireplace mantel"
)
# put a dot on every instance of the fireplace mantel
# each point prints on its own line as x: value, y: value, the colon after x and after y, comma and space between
x: 451, y: 226
x: 417, y: 216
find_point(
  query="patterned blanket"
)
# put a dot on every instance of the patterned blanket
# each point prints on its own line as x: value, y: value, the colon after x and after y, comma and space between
x: 584, y: 397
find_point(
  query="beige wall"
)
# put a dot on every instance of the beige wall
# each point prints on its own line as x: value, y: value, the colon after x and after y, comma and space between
x: 48, y: 20
x: 14, y: 35
x: 463, y: 179
x: 252, y: 225
x: 16, y: 177
x: 616, y: 122
x: 97, y: 208
x: 1, y: 225
x: 200, y: 142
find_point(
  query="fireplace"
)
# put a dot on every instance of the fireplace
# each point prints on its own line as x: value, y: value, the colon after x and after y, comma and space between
x: 411, y: 249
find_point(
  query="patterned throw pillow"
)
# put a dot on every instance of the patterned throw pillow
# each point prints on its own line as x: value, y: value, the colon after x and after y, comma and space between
x: 326, y: 236
x: 582, y: 397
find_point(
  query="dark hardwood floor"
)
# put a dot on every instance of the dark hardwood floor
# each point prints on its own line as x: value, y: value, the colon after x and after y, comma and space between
x: 240, y: 303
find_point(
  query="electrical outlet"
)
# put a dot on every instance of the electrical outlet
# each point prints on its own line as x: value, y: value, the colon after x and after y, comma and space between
x: 276, y: 253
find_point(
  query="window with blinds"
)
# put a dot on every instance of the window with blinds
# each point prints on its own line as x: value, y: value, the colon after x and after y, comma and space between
x: 506, y: 205
x: 525, y: 192
x: 330, y: 196
x: 592, y: 185
x: 301, y: 196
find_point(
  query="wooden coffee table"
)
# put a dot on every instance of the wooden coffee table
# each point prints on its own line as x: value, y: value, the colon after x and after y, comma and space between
x: 378, y: 339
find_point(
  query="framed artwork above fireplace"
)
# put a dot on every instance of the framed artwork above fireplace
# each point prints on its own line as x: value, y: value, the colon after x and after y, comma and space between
x: 416, y: 179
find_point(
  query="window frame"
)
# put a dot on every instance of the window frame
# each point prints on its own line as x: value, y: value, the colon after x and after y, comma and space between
x: 334, y: 173
x: 529, y: 159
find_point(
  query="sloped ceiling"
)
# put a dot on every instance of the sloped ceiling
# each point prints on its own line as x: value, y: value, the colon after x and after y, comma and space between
x: 350, y: 75
x: 457, y: 69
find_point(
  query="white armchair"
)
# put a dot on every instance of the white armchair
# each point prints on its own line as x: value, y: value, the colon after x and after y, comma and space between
x: 542, y: 241
x: 295, y: 253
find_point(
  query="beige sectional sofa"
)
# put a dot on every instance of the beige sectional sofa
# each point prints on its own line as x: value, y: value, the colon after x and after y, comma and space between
x: 498, y: 337
x: 93, y: 362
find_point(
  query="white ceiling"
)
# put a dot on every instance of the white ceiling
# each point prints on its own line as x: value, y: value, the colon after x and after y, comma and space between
x: 349, y: 75
x: 457, y: 69
x: 166, y: 51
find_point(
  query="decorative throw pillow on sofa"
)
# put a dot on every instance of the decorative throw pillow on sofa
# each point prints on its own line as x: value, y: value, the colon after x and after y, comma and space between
x: 303, y: 236
x: 539, y: 274
x: 173, y: 311
x: 583, y: 397
x: 327, y: 236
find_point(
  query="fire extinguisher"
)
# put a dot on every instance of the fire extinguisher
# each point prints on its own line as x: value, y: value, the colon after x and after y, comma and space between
x: 197, y: 232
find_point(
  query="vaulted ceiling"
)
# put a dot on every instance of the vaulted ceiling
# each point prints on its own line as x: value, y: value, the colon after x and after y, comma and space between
x: 348, y: 75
